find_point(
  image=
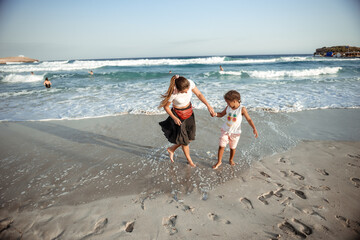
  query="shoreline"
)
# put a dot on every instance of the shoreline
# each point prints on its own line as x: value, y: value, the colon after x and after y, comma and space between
x: 164, y: 113
x: 90, y: 178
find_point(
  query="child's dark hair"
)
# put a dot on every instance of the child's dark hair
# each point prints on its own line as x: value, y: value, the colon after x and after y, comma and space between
x: 232, y: 95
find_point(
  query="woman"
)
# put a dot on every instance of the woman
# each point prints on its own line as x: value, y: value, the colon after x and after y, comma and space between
x: 180, y: 128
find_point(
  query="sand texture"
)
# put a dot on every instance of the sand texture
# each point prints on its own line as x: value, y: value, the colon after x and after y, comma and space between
x: 311, y: 191
x: 111, y: 178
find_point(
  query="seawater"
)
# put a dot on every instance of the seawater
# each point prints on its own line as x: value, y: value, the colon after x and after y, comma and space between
x: 277, y: 83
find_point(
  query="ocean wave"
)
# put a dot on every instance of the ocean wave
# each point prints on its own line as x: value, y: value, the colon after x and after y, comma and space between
x: 284, y: 73
x: 15, y: 78
x: 95, y: 64
x: 72, y: 65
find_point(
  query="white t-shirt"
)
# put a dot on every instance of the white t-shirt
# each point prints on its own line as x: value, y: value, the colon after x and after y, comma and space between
x: 233, y: 120
x: 182, y: 99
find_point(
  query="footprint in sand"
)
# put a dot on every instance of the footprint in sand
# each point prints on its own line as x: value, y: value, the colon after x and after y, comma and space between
x: 297, y: 175
x: 284, y: 173
x: 353, y: 165
x: 129, y: 226
x: 169, y: 224
x: 355, y: 181
x: 321, y: 188
x: 356, y: 156
x: 278, y: 193
x: 299, y: 193
x: 286, y: 201
x: 304, y: 228
x: 322, y: 171
x: 214, y: 217
x: 285, y: 160
x: 265, y: 174
x: 353, y: 225
x: 313, y: 213
x: 5, y: 223
x: 290, y: 229
x: 265, y: 196
x: 187, y: 208
x: 98, y: 228
x: 246, y: 203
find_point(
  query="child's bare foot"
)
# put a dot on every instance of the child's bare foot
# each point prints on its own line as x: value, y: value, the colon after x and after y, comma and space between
x: 171, y: 154
x: 216, y: 165
x: 232, y: 163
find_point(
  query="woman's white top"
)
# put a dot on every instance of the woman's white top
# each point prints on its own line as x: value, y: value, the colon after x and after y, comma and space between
x: 182, y: 99
x: 233, y: 120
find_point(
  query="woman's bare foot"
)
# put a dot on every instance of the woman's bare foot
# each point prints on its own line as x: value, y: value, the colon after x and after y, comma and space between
x: 232, y: 163
x: 216, y: 165
x: 192, y: 164
x: 171, y: 154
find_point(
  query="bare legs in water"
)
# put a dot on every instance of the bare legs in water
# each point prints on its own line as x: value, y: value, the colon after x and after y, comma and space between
x: 186, y: 150
x: 220, y: 155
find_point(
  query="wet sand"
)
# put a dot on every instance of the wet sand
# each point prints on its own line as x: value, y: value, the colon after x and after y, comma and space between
x: 110, y: 178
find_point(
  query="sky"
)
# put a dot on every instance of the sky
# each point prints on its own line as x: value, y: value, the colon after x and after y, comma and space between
x: 89, y: 29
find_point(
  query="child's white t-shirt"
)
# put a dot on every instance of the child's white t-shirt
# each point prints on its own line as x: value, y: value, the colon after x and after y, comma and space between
x: 183, y: 99
x: 233, y: 120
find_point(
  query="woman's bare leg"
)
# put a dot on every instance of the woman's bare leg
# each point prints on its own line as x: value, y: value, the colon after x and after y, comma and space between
x: 171, y: 151
x: 186, y: 150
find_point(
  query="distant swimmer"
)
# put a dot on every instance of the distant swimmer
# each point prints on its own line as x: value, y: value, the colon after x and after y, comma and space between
x: 47, y: 83
x: 32, y: 73
x: 170, y: 72
x: 91, y: 72
x: 221, y: 69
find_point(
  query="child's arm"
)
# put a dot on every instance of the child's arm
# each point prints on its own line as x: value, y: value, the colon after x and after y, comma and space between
x: 168, y: 110
x: 251, y: 123
x: 221, y: 114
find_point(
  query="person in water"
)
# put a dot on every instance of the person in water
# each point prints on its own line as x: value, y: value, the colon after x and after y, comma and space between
x: 47, y: 83
x: 179, y: 128
x: 231, y: 129
x: 221, y: 68
x: 91, y: 72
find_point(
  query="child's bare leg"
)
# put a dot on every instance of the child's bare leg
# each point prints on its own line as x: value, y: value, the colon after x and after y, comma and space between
x: 171, y: 151
x: 186, y: 150
x: 220, y: 155
x: 232, y: 154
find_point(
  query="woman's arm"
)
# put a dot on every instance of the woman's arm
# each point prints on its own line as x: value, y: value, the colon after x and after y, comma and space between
x: 201, y: 97
x: 251, y: 123
x: 168, y: 110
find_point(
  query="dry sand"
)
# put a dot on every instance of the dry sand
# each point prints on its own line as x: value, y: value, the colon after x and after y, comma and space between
x: 79, y: 180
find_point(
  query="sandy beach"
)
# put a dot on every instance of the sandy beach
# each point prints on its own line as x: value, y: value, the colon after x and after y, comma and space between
x: 110, y: 178
x: 17, y: 60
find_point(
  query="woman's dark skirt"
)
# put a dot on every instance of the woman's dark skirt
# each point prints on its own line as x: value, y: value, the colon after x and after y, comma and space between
x: 182, y: 134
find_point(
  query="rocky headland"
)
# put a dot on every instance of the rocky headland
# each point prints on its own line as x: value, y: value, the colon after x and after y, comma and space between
x: 339, y: 51
x: 17, y: 59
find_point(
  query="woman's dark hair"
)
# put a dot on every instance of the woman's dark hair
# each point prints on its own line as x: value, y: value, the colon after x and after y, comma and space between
x: 181, y: 84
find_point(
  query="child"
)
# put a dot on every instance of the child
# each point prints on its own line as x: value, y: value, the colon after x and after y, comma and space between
x: 179, y: 128
x: 231, y: 130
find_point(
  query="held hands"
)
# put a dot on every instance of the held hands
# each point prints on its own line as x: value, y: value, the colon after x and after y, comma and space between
x: 211, y: 111
x: 255, y: 133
